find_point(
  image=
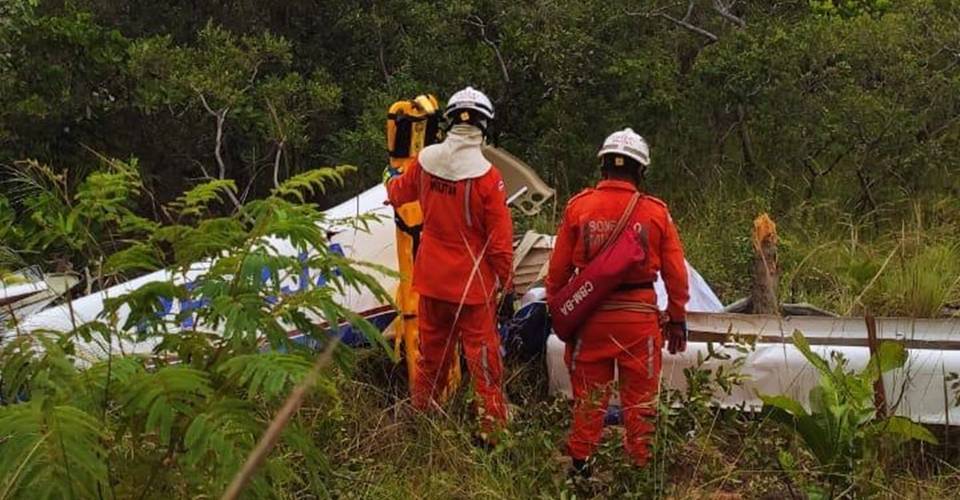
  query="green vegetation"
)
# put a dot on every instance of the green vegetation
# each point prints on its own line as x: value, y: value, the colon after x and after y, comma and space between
x: 842, y: 430
x: 180, y: 421
x: 839, y: 118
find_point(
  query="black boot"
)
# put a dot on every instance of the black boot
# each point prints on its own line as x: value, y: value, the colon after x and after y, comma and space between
x: 579, y: 470
x: 483, y: 443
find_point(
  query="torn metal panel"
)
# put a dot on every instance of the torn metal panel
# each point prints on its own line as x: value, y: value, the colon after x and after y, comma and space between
x: 525, y: 188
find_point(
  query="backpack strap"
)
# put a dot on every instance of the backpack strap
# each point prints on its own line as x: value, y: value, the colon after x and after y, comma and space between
x: 622, y: 223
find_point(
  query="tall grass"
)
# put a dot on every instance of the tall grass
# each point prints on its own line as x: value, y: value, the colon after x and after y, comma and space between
x: 922, y: 282
x: 903, y: 259
x: 380, y: 448
x: 715, y: 231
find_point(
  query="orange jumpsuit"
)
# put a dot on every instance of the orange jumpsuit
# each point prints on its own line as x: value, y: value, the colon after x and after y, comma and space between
x: 626, y: 339
x: 465, y: 256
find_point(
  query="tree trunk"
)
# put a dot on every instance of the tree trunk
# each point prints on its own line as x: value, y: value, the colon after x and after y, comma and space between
x: 766, y: 272
x: 746, y: 142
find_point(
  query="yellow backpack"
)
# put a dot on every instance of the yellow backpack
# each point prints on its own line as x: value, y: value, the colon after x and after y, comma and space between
x: 411, y: 126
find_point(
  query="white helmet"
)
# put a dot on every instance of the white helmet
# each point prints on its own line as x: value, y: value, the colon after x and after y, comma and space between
x: 534, y: 294
x: 628, y: 143
x: 470, y: 98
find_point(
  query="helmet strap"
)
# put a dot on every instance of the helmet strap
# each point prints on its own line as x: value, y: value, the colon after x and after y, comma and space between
x: 492, y: 136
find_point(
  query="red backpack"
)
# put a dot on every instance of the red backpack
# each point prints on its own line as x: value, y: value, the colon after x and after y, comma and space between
x: 578, y: 299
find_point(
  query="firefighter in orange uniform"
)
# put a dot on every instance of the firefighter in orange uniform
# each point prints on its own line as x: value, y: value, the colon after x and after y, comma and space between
x: 465, y: 256
x: 625, y: 332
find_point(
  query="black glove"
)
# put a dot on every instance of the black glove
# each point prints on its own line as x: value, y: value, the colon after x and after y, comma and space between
x: 676, y: 333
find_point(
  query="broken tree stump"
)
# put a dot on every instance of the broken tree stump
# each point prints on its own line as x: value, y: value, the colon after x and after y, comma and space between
x: 766, y: 271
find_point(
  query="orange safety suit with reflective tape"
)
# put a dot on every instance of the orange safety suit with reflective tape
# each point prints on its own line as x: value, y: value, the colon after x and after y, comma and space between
x: 465, y: 256
x: 619, y: 336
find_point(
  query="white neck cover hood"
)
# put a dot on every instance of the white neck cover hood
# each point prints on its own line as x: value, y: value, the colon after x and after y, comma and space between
x: 458, y: 157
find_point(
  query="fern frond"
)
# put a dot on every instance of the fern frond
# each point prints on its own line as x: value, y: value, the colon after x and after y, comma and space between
x: 50, y: 452
x: 163, y: 396
x: 37, y: 365
x: 218, y: 440
x: 106, y: 196
x: 17, y: 366
x: 296, y: 223
x: 240, y: 314
x: 312, y: 181
x: 195, y: 201
x: 106, y: 378
x: 210, y: 238
x: 140, y: 256
x: 134, y: 224
x: 145, y: 303
x: 269, y: 374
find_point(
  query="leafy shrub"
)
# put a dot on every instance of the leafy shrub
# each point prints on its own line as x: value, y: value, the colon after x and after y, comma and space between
x: 180, y: 420
x: 842, y: 429
x: 850, y: 8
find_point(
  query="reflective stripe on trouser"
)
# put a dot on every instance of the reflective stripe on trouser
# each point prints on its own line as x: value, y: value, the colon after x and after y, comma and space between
x: 440, y: 330
x: 638, y: 367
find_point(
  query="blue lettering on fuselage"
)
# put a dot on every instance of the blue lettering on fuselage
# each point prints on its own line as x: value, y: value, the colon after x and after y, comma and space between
x: 301, y: 283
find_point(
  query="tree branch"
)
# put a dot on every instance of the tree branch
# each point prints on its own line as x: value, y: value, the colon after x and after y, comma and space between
x: 811, y: 161
x: 221, y: 116
x: 381, y: 52
x: 745, y: 139
x: 479, y: 23
x: 943, y: 128
x: 690, y: 27
x: 253, y: 76
x: 724, y: 11
x: 281, y: 141
x: 683, y: 23
x: 218, y: 149
x: 866, y: 189
x: 276, y: 165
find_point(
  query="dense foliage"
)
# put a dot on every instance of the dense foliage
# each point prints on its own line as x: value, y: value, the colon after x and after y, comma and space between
x: 800, y: 100
x: 829, y: 114
x: 83, y: 417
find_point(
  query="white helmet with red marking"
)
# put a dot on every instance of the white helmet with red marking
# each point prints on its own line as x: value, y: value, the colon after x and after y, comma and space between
x: 628, y: 143
x: 469, y: 99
